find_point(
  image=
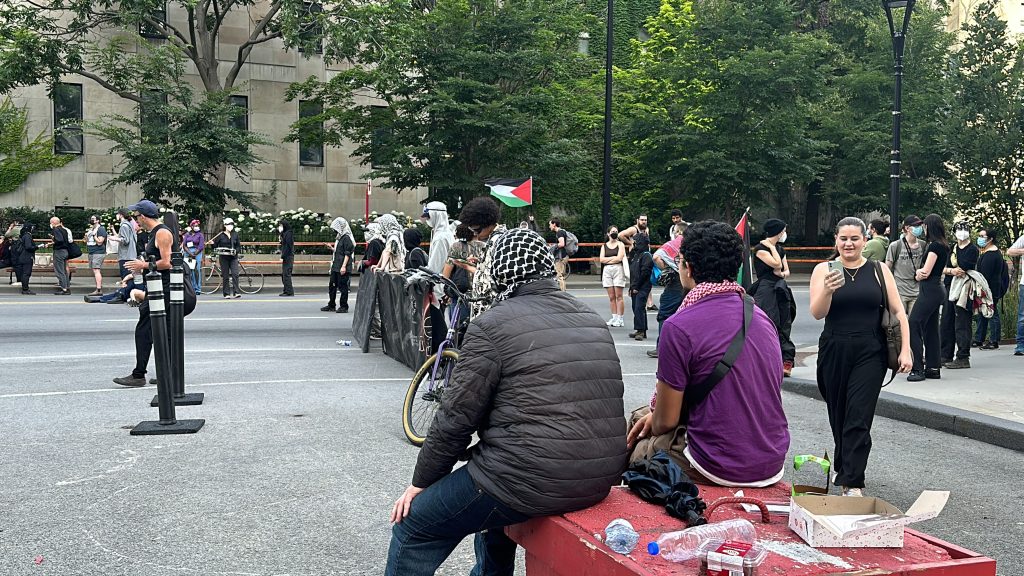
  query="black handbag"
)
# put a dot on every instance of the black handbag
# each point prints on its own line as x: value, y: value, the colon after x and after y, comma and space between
x: 890, y: 328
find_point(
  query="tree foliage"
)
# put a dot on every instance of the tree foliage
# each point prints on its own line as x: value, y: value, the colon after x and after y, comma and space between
x: 464, y: 91
x: 20, y: 154
x: 985, y: 132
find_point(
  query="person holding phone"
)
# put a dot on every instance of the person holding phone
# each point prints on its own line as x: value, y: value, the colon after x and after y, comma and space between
x: 852, y: 352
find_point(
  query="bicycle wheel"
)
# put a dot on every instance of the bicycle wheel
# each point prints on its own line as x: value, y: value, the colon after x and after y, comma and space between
x: 249, y: 282
x: 209, y: 285
x: 424, y: 395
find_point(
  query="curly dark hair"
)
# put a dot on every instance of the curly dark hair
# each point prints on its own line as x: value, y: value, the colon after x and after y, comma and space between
x: 878, y: 226
x: 480, y: 212
x: 464, y: 233
x: 713, y: 251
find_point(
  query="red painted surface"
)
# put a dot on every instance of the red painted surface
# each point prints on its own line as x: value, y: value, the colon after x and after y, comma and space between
x: 565, y: 545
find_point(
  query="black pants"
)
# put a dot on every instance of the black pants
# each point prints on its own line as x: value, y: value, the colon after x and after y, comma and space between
x: 924, y: 326
x: 24, y: 273
x: 956, y: 331
x: 339, y: 284
x: 286, y: 275
x: 143, y: 342
x: 671, y: 298
x: 850, y: 372
x: 229, y: 272
x: 639, y: 305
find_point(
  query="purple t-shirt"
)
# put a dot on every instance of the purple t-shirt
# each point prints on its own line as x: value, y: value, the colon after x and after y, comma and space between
x: 739, y: 432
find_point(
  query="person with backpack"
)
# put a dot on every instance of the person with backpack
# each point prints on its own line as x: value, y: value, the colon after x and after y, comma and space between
x: 63, y: 249
x: 560, y: 252
x: 904, y: 257
x: 465, y: 254
x: 993, y: 267
x: 641, y: 265
x: 415, y: 257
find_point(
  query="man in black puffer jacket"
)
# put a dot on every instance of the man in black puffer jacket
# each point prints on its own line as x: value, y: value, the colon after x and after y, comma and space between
x: 539, y: 380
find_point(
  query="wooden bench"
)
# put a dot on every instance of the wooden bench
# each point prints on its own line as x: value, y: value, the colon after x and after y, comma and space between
x: 565, y: 545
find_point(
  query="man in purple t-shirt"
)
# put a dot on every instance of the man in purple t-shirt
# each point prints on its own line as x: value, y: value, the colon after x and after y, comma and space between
x: 738, y: 435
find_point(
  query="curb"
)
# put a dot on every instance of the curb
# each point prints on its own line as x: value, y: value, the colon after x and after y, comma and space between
x: 987, y: 429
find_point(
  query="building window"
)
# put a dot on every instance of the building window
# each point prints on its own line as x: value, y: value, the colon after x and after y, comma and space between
x: 146, y: 30
x: 311, y: 33
x: 311, y: 154
x: 67, y: 119
x: 241, y: 121
x: 153, y: 119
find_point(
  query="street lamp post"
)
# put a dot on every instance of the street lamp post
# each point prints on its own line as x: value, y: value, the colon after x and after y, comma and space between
x: 606, y: 189
x: 899, y: 36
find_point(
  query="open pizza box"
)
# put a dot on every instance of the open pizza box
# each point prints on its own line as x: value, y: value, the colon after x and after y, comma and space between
x: 850, y: 522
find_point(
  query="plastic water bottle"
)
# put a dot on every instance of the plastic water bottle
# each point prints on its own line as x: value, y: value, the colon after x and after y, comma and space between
x: 620, y: 536
x: 682, y: 545
x: 345, y: 343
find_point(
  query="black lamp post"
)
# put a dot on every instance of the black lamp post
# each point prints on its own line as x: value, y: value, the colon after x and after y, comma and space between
x: 899, y: 36
x: 606, y: 190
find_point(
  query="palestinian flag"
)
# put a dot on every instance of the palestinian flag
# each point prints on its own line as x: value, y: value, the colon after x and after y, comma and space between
x: 514, y: 192
x: 744, y: 277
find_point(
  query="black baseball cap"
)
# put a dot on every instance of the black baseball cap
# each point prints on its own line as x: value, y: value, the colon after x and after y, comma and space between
x: 912, y: 221
x: 146, y: 208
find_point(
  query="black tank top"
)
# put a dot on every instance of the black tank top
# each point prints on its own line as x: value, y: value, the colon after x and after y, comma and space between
x: 609, y: 254
x: 153, y: 250
x: 857, y: 305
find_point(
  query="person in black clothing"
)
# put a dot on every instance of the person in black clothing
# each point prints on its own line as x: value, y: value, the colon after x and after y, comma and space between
x: 852, y: 354
x: 924, y: 318
x: 23, y: 256
x: 992, y: 267
x: 559, y: 253
x: 641, y: 264
x: 770, y: 292
x: 415, y: 257
x: 159, y: 248
x: 228, y: 247
x: 374, y: 247
x: 341, y: 266
x: 61, y: 249
x: 284, y: 230
x: 956, y: 321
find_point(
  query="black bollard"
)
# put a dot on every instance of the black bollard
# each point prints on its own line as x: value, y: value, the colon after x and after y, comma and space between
x: 167, y: 424
x: 176, y: 334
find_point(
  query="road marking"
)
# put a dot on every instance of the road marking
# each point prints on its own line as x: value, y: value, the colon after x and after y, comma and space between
x: 206, y: 385
x: 203, y: 300
x: 32, y: 359
x: 233, y: 319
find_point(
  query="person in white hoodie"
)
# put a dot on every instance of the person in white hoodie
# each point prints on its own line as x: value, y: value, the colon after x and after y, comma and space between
x: 442, y: 236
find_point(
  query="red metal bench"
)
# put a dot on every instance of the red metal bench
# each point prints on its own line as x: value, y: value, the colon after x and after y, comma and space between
x: 565, y: 545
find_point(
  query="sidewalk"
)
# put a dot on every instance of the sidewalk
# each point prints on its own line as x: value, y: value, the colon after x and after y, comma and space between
x: 985, y: 402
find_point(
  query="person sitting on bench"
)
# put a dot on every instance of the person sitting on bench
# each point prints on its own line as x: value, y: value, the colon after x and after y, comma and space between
x: 729, y: 429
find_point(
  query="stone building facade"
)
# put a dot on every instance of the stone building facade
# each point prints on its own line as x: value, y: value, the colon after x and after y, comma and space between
x: 328, y: 181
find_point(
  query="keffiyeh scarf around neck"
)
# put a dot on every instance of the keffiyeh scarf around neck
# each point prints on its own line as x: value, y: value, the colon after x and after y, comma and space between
x: 520, y: 257
x: 391, y: 233
x: 710, y: 288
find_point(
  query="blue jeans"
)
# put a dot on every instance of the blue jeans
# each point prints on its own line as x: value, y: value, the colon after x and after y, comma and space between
x: 668, y: 304
x: 440, y: 517
x: 1020, y: 320
x: 990, y: 325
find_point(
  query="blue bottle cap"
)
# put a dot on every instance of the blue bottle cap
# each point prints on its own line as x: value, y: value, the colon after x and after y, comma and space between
x: 653, y: 549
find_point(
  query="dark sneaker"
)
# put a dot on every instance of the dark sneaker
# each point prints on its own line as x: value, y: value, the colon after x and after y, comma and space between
x: 990, y: 346
x: 975, y: 344
x: 1015, y: 352
x: 959, y: 363
x: 284, y: 294
x: 154, y: 381
x: 130, y: 381
x: 327, y: 308
x: 916, y: 376
x: 933, y: 373
x: 28, y: 293
x: 652, y: 353
x: 90, y: 299
x: 116, y: 300
x: 342, y: 310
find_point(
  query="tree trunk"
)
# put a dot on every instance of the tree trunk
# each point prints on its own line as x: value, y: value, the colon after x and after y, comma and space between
x: 813, y: 212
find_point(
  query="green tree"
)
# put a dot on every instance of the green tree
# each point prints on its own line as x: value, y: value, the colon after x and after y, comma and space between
x: 20, y: 155
x: 985, y: 130
x: 464, y: 91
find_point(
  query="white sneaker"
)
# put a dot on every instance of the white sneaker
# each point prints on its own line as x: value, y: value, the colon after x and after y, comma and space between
x: 619, y: 322
x: 611, y: 321
x: 853, y: 492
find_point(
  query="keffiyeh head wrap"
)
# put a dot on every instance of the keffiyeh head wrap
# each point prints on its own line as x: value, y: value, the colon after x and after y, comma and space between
x: 341, y: 226
x: 372, y: 232
x: 519, y: 257
x: 391, y: 233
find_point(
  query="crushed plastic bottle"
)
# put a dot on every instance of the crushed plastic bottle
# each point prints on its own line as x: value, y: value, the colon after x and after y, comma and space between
x: 683, y: 545
x: 345, y: 343
x: 620, y: 536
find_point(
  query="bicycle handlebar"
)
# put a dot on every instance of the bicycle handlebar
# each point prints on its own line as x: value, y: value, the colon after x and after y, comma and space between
x: 449, y: 286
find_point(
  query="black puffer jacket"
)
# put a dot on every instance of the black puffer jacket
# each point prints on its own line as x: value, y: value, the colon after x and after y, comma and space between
x: 539, y: 380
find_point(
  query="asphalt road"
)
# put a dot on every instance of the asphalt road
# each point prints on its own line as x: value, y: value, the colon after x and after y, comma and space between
x: 303, y: 454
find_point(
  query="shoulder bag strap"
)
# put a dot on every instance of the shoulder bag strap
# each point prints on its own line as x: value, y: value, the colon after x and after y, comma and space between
x: 885, y: 307
x: 694, y: 395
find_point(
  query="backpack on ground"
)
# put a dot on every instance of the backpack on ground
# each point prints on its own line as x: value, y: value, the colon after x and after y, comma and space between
x: 572, y: 244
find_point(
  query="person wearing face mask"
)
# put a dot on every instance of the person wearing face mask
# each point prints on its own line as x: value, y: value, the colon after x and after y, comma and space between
x: 613, y: 275
x: 955, y: 331
x: 876, y: 247
x: 771, y: 292
x: 192, y: 244
x: 924, y: 320
x: 904, y: 257
x: 341, y: 267
x: 993, y: 268
x: 95, y: 240
x: 228, y: 247
x: 284, y: 231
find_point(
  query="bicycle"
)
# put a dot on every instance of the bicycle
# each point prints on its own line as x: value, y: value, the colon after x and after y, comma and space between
x: 249, y: 282
x: 426, y: 390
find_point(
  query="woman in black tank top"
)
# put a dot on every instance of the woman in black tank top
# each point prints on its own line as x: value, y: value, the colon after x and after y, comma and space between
x: 852, y: 355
